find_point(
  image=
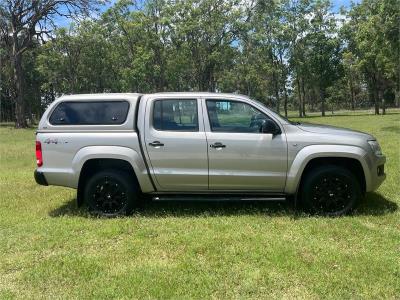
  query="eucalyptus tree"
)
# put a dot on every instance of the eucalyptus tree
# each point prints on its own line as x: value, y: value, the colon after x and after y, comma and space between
x: 372, y: 34
x: 296, y: 14
x: 351, y: 76
x: 323, y: 50
x: 271, y: 34
x: 25, y: 21
x: 79, y: 59
x: 138, y: 31
x: 204, y: 30
x: 59, y: 61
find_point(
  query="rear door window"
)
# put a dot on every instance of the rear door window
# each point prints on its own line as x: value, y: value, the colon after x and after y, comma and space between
x: 90, y: 113
x: 175, y: 115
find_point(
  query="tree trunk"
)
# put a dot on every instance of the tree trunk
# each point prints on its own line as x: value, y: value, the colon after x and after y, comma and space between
x: 382, y: 101
x: 283, y: 84
x: 276, y: 88
x: 285, y: 100
x: 299, y: 94
x: 20, y: 121
x: 161, y: 76
x: 278, y: 100
x: 322, y: 98
x: 375, y: 94
x: 206, y: 83
x: 303, y: 103
x: 351, y: 85
x: 376, y: 100
x: 213, y: 84
x: 312, y: 99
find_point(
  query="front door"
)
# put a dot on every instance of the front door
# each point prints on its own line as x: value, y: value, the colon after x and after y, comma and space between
x: 176, y: 144
x: 240, y: 157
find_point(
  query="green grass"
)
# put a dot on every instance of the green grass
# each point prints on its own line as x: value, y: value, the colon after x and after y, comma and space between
x: 51, y: 249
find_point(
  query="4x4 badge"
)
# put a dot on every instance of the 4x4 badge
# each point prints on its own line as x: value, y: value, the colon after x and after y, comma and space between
x: 51, y: 141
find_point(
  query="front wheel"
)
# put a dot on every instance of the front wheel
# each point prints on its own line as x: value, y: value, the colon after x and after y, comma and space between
x: 111, y: 193
x: 330, y: 190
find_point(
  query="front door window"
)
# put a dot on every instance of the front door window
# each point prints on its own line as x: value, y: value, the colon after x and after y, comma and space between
x: 234, y: 116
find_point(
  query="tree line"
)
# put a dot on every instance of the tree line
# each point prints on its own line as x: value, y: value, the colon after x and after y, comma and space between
x: 290, y: 54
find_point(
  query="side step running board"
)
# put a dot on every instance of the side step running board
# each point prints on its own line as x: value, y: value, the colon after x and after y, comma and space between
x: 216, y: 198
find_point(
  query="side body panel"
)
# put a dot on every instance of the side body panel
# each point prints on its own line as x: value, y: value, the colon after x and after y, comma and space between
x: 65, y: 153
x: 304, y: 146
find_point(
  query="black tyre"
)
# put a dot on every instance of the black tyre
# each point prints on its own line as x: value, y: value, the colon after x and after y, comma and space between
x: 111, y: 193
x: 330, y: 190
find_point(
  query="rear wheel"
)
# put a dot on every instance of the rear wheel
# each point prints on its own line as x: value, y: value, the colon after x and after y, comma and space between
x: 330, y: 190
x: 111, y: 193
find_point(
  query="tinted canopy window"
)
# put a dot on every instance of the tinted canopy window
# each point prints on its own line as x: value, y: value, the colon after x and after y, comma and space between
x: 90, y: 113
x: 175, y: 115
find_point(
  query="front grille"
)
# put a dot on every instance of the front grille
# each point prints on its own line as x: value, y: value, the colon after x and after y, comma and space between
x: 381, y: 170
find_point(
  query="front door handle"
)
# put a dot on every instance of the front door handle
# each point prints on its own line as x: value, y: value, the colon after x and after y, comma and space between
x: 218, y: 145
x: 156, y: 144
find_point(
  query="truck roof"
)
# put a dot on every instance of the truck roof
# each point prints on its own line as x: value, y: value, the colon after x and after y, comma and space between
x: 100, y: 96
x: 105, y: 96
x: 199, y: 94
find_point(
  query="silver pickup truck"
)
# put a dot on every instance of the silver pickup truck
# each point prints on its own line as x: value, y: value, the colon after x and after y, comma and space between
x: 115, y: 148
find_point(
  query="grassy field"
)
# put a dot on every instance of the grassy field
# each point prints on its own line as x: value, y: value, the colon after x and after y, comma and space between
x: 51, y: 249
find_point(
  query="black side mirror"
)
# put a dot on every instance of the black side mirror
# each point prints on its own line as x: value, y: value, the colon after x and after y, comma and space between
x: 269, y: 126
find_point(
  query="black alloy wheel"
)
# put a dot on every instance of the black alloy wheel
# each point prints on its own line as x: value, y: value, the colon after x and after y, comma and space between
x: 110, y: 193
x: 330, y: 190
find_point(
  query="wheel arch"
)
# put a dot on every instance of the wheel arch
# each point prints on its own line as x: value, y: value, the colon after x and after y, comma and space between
x: 110, y: 157
x: 94, y: 165
x: 350, y: 157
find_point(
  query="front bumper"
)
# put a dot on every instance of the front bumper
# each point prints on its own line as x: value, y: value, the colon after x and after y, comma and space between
x: 39, y: 178
x: 377, y: 173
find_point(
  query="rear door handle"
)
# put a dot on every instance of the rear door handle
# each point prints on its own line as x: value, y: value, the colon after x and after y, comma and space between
x: 218, y: 145
x: 156, y: 144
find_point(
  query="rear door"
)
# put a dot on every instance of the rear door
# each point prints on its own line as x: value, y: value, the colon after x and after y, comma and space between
x: 240, y: 157
x: 176, y: 144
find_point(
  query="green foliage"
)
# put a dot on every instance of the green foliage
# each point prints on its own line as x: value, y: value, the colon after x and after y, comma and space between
x: 289, y: 54
x: 373, y: 37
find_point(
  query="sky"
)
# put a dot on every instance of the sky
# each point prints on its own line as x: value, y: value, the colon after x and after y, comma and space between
x: 336, y: 5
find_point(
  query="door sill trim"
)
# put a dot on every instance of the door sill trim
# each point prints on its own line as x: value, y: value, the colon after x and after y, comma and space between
x: 217, y: 197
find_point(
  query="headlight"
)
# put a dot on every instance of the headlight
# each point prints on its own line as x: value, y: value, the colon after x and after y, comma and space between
x: 375, y: 147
